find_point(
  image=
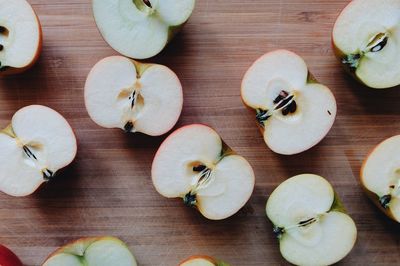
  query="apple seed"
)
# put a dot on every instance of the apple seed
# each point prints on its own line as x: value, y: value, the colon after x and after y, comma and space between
x: 29, y: 153
x: 147, y: 3
x: 378, y: 43
x: 1, y: 47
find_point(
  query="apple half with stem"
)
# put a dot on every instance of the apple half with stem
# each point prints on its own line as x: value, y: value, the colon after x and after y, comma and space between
x: 92, y: 251
x: 310, y: 221
x: 194, y: 164
x: 380, y: 177
x: 37, y: 143
x: 140, y: 29
x: 202, y: 261
x: 8, y: 258
x: 293, y: 111
x: 366, y: 40
x: 136, y: 97
x: 20, y: 36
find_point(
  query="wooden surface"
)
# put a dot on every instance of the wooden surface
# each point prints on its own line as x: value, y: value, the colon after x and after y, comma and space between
x: 108, y: 189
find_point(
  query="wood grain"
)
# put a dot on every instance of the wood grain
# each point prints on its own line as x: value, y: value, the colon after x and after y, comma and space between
x: 108, y: 189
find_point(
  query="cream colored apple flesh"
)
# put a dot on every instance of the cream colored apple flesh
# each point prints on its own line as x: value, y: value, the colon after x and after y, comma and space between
x: 38, y: 143
x: 202, y: 261
x: 380, y: 177
x: 140, y: 28
x: 136, y: 97
x: 366, y: 39
x: 310, y: 222
x: 194, y: 164
x: 293, y: 111
x: 20, y: 36
x: 92, y: 251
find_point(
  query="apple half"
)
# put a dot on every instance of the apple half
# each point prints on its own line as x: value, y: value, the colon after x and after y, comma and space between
x: 136, y: 97
x: 140, y: 29
x: 193, y: 163
x: 8, y: 258
x: 366, y: 40
x: 20, y: 36
x: 293, y: 111
x: 202, y: 261
x: 92, y: 251
x: 380, y: 177
x: 37, y: 143
x: 310, y: 222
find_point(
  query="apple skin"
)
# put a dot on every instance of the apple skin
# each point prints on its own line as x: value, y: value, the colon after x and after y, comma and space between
x: 371, y: 195
x: 8, y: 258
x: 13, y: 70
x: 208, y: 258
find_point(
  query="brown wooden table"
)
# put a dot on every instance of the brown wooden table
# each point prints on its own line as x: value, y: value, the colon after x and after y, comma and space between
x: 108, y: 189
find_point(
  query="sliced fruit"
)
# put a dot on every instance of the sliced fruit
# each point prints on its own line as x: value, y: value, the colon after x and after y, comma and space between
x: 202, y: 261
x: 140, y: 28
x: 293, y: 111
x: 136, y: 97
x: 37, y: 143
x: 310, y: 222
x: 366, y: 39
x: 194, y: 164
x: 380, y: 177
x: 92, y: 251
x: 8, y: 258
x: 20, y: 36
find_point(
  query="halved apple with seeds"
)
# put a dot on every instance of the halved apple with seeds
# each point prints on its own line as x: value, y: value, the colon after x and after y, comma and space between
x: 136, y: 97
x: 380, y: 177
x: 92, y: 251
x: 37, y: 143
x: 193, y: 163
x: 202, y: 261
x: 293, y: 111
x: 140, y: 29
x: 366, y: 39
x: 20, y: 36
x: 310, y: 222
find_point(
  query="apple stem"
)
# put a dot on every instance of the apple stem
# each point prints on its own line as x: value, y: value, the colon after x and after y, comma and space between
x: 385, y: 201
x: 128, y: 127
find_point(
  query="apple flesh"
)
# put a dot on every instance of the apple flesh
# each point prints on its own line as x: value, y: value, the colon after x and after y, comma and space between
x: 366, y: 40
x: 380, y: 177
x: 8, y: 258
x: 140, y: 28
x: 293, y: 111
x: 92, y: 251
x: 193, y: 163
x: 136, y: 97
x: 310, y: 222
x: 37, y: 143
x: 20, y: 36
x: 202, y: 261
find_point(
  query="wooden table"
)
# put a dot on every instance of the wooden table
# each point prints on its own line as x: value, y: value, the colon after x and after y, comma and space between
x: 108, y: 189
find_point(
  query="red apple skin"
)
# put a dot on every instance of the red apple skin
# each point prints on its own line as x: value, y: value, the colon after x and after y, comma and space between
x: 210, y: 259
x: 8, y: 258
x: 13, y: 70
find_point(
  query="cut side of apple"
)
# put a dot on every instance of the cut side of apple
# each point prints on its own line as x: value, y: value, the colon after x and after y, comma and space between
x: 20, y: 36
x: 136, y: 97
x: 92, y: 251
x: 310, y: 222
x: 202, y: 261
x: 380, y: 177
x: 293, y: 111
x: 366, y: 39
x: 193, y: 163
x: 38, y: 143
x: 140, y: 28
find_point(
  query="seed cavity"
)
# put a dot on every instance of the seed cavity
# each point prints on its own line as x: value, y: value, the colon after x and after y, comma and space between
x: 202, y: 180
x: 29, y: 153
x: 377, y: 43
x: 385, y: 201
x: 47, y: 174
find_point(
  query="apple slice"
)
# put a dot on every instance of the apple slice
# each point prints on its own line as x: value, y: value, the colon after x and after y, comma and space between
x: 193, y: 163
x: 310, y: 222
x: 37, y: 143
x: 20, y: 36
x: 366, y: 39
x: 380, y: 177
x: 92, y: 251
x: 140, y: 28
x: 8, y: 258
x: 293, y: 111
x: 202, y: 261
x: 136, y: 97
